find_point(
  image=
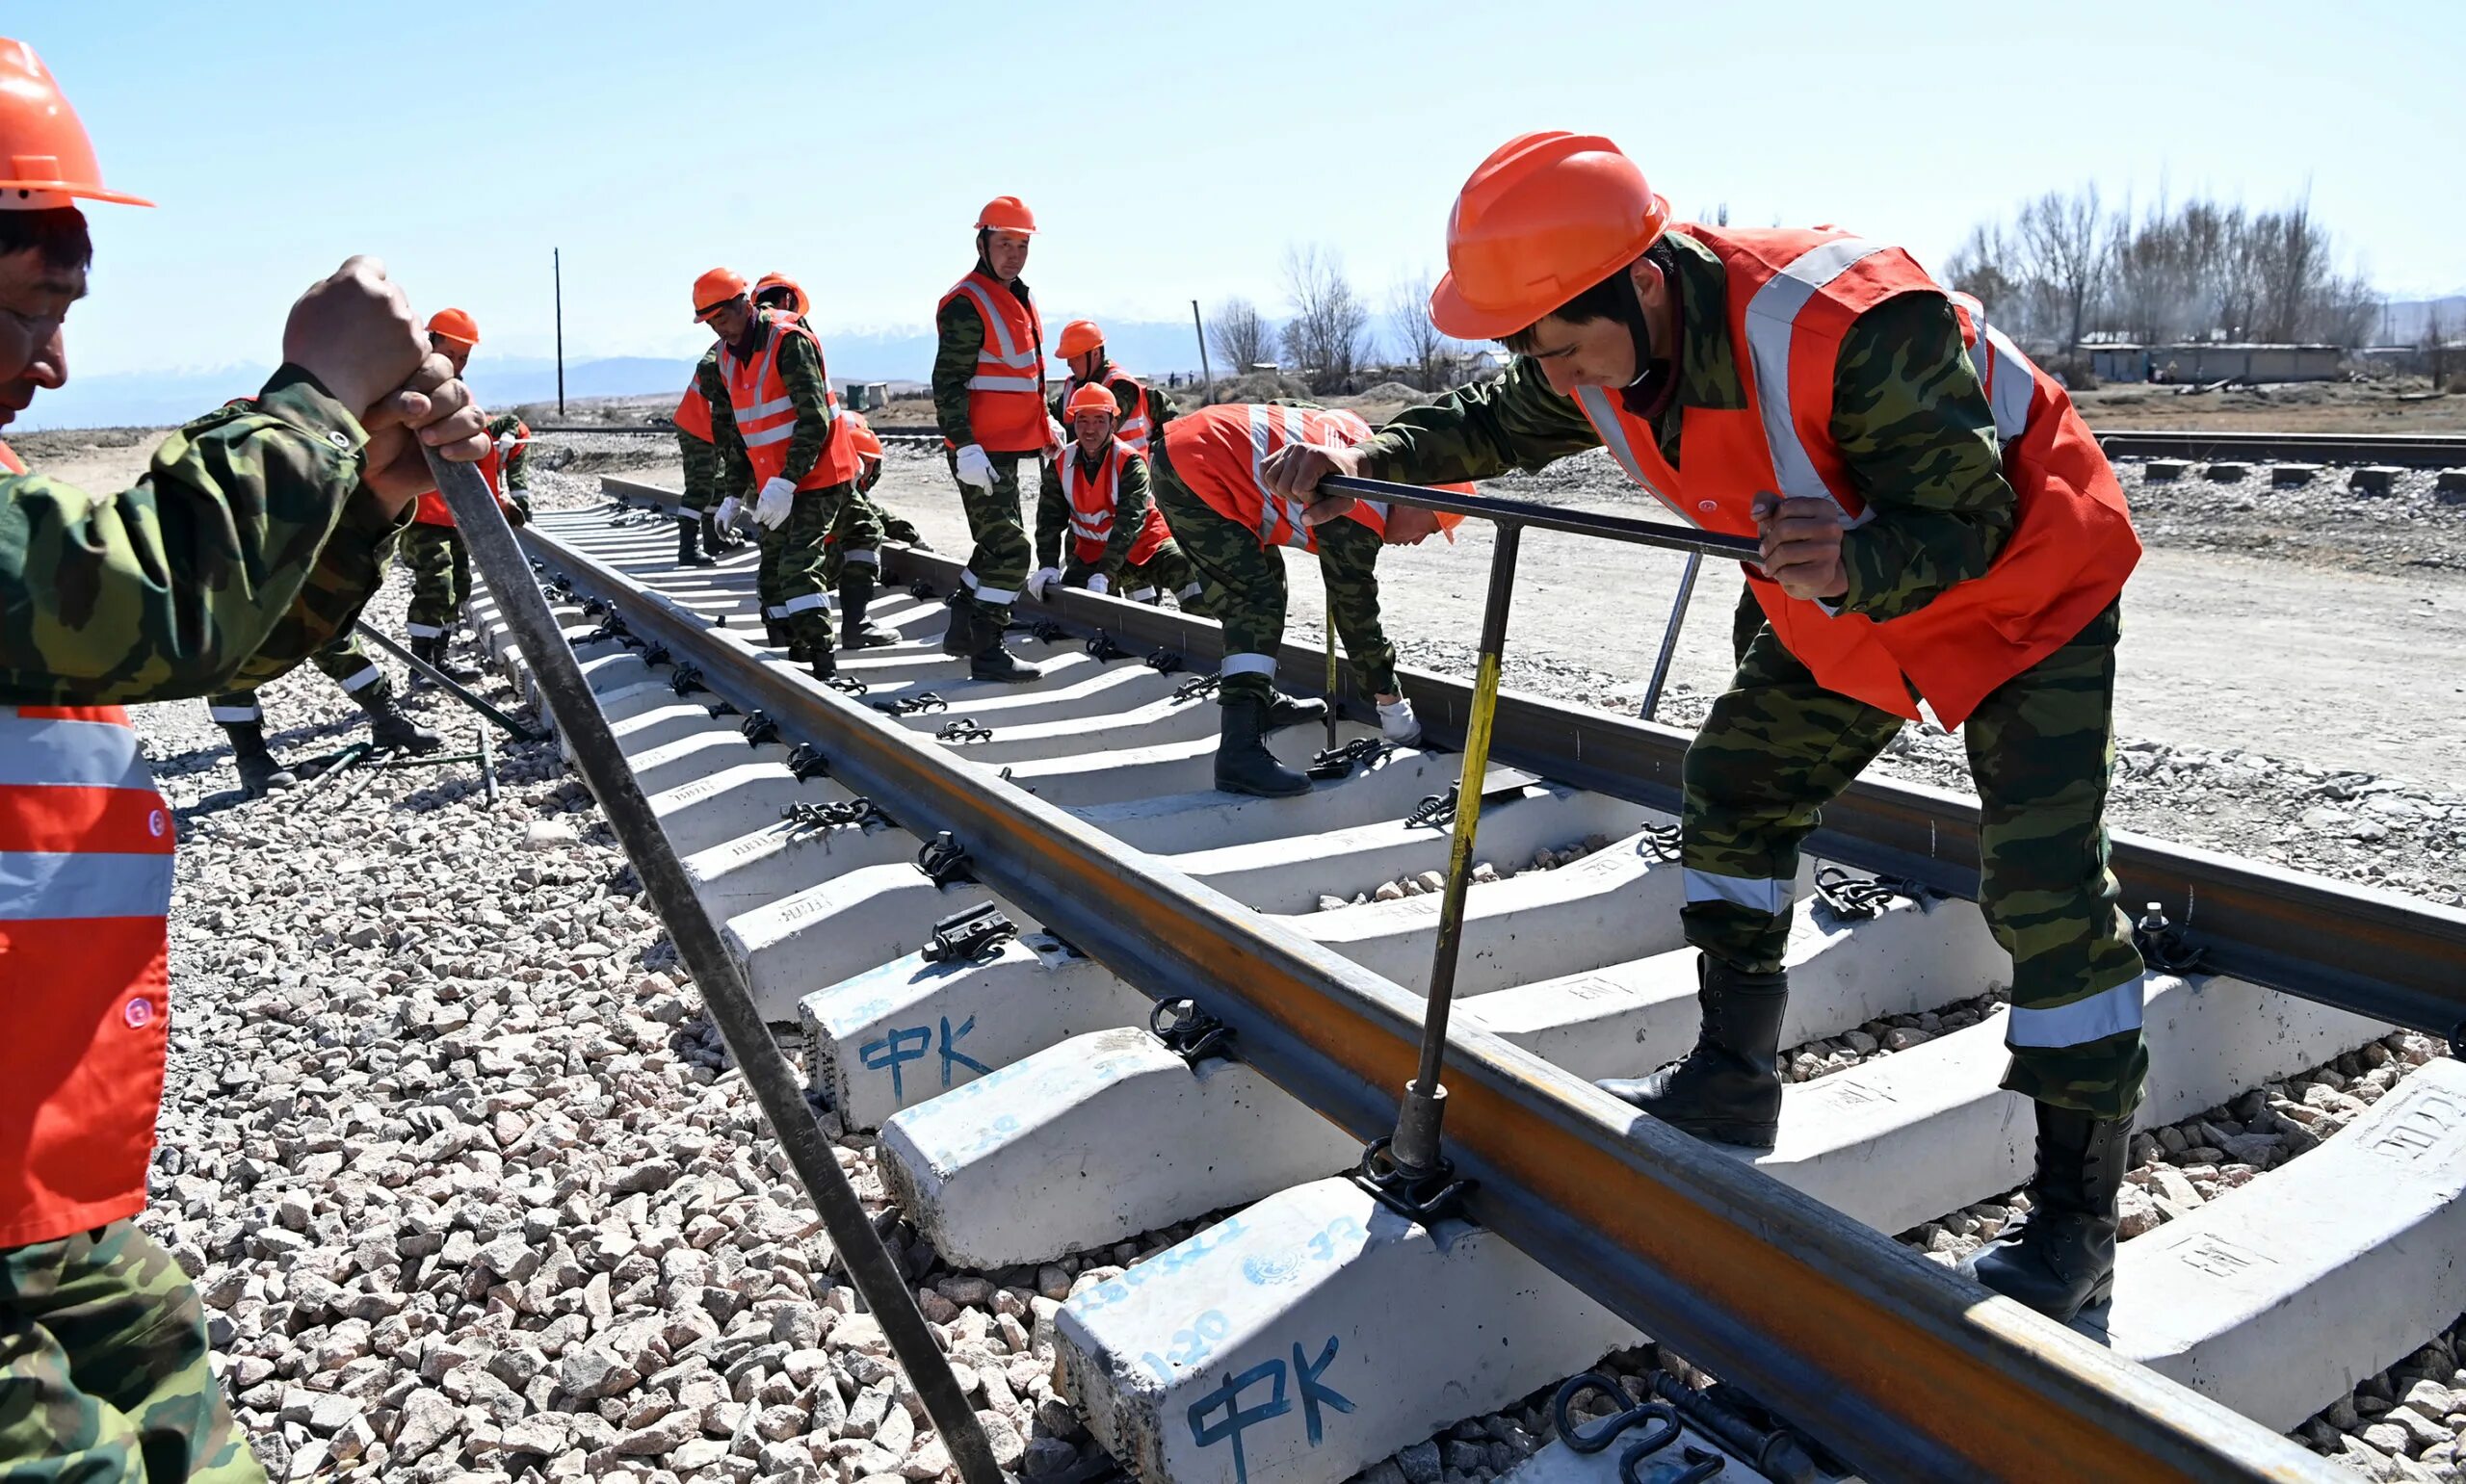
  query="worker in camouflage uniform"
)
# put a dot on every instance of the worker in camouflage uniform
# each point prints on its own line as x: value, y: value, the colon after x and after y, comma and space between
x: 1936, y: 524
x: 362, y: 679
x: 700, y: 539
x: 1099, y: 497
x: 1232, y: 530
x: 227, y: 563
x: 989, y: 398
x: 776, y: 422
x: 777, y: 291
x: 439, y: 559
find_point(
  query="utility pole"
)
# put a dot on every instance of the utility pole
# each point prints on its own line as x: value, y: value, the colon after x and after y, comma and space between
x: 1199, y: 326
x: 557, y: 264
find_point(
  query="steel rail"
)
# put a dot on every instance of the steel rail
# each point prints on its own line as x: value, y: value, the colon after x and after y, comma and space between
x: 2396, y: 958
x: 1907, y: 1370
x: 2406, y: 450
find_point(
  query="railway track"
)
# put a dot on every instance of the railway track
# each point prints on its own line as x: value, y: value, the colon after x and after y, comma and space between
x: 1031, y: 1100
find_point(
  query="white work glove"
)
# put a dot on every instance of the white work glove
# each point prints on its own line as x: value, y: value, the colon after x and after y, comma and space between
x: 1398, y: 724
x: 729, y: 510
x: 1096, y: 582
x: 1041, y: 582
x: 507, y: 442
x: 778, y: 497
x: 973, y: 467
x: 1054, y: 436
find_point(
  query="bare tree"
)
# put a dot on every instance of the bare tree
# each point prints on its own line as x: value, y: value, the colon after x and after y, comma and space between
x: 1239, y: 335
x: 2062, y: 241
x: 1418, y: 343
x: 1328, y: 336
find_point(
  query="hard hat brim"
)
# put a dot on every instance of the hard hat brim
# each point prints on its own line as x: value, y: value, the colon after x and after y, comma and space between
x: 1458, y: 319
x: 89, y: 193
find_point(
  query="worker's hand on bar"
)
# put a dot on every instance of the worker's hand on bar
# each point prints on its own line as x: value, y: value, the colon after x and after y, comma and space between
x: 353, y: 332
x: 1294, y: 471
x: 1802, y: 543
x: 431, y: 411
x: 1409, y: 524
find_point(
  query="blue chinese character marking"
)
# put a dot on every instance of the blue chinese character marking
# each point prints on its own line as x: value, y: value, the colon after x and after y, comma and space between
x: 951, y: 1051
x: 898, y: 1047
x: 1207, y: 1434
x: 1314, y: 1393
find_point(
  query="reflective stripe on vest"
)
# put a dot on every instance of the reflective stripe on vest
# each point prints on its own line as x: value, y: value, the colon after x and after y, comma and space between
x: 85, y: 889
x: 1005, y: 408
x: 1771, y: 325
x: 766, y: 411
x: 1135, y: 429
x: 1092, y: 499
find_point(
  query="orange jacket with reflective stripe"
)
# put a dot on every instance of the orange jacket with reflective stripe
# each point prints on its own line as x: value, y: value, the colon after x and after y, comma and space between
x: 1216, y: 452
x: 1093, y: 499
x: 1792, y: 297
x: 765, y: 415
x: 1006, y: 397
x: 693, y: 413
x: 432, y: 509
x: 84, y: 888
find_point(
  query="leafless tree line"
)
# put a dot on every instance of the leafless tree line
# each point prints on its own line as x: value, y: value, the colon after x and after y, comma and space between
x: 1329, y: 333
x: 2067, y: 267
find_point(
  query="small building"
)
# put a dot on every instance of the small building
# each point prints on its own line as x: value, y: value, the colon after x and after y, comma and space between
x: 2196, y: 363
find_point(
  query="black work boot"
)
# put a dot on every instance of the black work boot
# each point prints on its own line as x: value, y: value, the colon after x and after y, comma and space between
x: 260, y: 772
x: 990, y: 661
x: 775, y: 633
x: 1294, y: 710
x: 1244, y: 765
x: 715, y: 540
x: 856, y: 592
x: 961, y: 637
x: 2061, y: 1259
x: 1727, y: 1089
x: 689, y: 544
x: 809, y: 642
x: 433, y: 650
x: 388, y: 726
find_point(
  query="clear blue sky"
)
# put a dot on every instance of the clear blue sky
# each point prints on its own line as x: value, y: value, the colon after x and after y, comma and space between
x: 1169, y: 154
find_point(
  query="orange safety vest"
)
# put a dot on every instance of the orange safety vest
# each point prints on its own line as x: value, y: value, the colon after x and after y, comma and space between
x: 432, y: 510
x: 1792, y: 295
x: 693, y: 412
x: 765, y: 415
x: 1006, y: 397
x: 9, y: 462
x: 1217, y: 453
x: 1092, y: 499
x: 1135, y: 428
x: 85, y: 892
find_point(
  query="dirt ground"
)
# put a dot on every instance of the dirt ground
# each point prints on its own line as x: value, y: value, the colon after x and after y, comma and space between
x: 2399, y: 404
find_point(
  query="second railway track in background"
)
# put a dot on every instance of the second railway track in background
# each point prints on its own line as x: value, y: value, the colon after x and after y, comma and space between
x: 1025, y: 1107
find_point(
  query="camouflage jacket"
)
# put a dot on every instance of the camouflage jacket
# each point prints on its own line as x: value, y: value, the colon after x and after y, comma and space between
x: 514, y: 471
x: 1911, y: 420
x: 242, y: 540
x: 801, y: 371
x: 962, y: 335
x: 1131, y: 498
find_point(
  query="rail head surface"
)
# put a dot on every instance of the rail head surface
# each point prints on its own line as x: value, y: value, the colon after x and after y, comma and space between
x: 1907, y: 1370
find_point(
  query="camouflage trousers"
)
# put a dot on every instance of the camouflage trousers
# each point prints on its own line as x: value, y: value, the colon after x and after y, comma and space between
x: 998, y: 568
x: 342, y: 660
x: 103, y: 1373
x: 1243, y: 586
x: 1777, y: 747
x: 789, y: 577
x: 440, y: 564
x: 886, y: 527
x: 1166, y: 570
x: 701, y: 463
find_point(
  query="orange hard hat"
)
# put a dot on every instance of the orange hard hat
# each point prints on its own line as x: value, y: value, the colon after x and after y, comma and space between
x: 1078, y: 338
x: 46, y: 161
x: 861, y: 435
x: 1006, y: 214
x: 1546, y: 217
x: 716, y: 287
x: 455, y: 325
x: 798, y: 301
x: 1094, y: 396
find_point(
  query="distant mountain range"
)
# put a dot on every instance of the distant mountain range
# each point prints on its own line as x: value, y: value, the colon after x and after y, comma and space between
x: 147, y: 399
x: 2404, y: 323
